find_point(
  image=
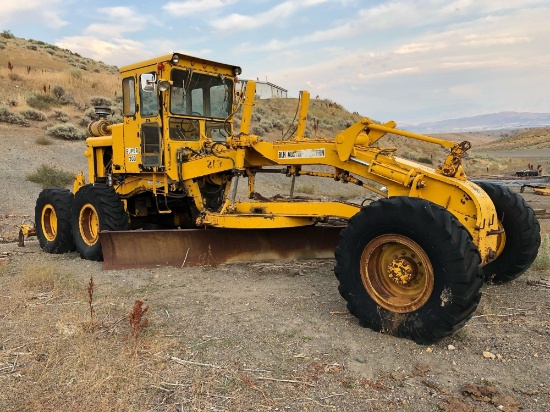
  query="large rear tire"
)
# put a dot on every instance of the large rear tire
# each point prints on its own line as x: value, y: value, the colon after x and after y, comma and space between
x: 52, y: 217
x: 521, y: 237
x: 96, y: 208
x: 409, y: 268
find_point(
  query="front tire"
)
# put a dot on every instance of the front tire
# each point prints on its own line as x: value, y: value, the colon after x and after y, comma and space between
x: 521, y: 234
x: 96, y: 208
x: 52, y: 217
x: 409, y: 268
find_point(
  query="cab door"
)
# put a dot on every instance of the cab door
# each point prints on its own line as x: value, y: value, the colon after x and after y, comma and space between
x: 143, y: 140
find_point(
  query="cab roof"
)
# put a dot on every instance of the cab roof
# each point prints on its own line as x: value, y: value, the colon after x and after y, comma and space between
x: 191, y: 60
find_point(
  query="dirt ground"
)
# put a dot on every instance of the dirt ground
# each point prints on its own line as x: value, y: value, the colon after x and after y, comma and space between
x: 259, y: 336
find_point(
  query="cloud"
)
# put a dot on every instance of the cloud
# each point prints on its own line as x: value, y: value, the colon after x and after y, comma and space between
x: 267, y: 18
x: 185, y: 8
x: 118, y: 51
x: 42, y: 11
x: 119, y: 20
x: 420, y: 47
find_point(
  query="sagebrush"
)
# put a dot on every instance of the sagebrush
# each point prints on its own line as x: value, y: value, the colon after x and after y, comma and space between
x: 50, y: 176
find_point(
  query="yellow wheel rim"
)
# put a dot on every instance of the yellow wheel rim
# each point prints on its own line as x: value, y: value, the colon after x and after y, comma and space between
x: 48, y: 221
x: 88, y: 224
x: 501, y: 240
x: 397, y: 273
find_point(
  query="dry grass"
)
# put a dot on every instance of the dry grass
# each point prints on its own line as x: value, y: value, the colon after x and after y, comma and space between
x: 542, y: 262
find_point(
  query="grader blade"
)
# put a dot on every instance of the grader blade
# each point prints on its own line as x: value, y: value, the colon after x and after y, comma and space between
x: 205, y: 247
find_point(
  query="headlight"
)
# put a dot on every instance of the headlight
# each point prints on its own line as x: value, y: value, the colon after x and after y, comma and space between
x: 164, y: 85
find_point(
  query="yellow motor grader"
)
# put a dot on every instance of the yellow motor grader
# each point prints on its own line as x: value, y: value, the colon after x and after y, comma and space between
x: 162, y: 190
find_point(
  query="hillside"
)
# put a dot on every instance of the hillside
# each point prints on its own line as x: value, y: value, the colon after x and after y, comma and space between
x: 484, y: 122
x: 533, y: 139
x: 34, y: 67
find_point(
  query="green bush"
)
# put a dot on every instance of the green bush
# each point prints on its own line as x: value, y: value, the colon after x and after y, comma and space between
x: 33, y: 114
x: 7, y: 116
x: 42, y: 101
x: 67, y: 131
x: 50, y: 176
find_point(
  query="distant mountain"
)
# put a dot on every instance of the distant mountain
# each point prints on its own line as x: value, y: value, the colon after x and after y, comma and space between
x: 494, y: 121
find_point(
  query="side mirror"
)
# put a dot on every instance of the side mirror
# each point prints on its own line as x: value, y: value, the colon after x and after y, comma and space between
x: 149, y: 82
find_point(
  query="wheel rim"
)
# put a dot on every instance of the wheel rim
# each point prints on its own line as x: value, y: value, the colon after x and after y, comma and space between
x: 501, y: 240
x: 397, y: 273
x: 88, y: 224
x: 49, y: 223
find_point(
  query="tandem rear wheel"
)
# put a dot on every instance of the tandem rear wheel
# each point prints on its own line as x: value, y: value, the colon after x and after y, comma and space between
x: 96, y: 208
x: 408, y: 267
x: 519, y: 245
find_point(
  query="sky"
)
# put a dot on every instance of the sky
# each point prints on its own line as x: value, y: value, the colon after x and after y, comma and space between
x: 409, y: 61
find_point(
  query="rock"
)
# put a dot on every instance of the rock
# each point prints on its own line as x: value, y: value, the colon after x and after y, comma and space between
x: 429, y: 350
x: 488, y: 355
x: 451, y: 347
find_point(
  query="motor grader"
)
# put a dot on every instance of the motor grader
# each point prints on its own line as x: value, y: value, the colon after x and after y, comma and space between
x: 162, y: 185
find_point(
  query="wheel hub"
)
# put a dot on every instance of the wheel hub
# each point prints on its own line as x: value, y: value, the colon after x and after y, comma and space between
x: 397, y: 273
x: 402, y: 271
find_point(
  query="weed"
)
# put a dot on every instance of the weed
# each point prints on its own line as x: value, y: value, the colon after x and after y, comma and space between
x: 67, y: 131
x: 48, y: 176
x: 137, y: 322
x: 542, y: 261
x: 33, y: 114
x: 91, y: 326
x: 43, y: 141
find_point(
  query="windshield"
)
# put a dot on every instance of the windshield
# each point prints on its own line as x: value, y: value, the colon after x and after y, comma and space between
x: 202, y: 95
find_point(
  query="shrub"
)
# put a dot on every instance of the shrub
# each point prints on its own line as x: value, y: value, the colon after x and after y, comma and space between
x: 33, y: 114
x: 15, y: 77
x: 100, y: 101
x: 7, y: 34
x: 425, y: 160
x: 7, y: 116
x: 42, y: 101
x: 68, y: 99
x: 67, y: 131
x: 58, y: 91
x: 60, y: 115
x: 257, y: 130
x: 32, y: 47
x: 75, y: 73
x: 50, y: 176
x: 43, y: 141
